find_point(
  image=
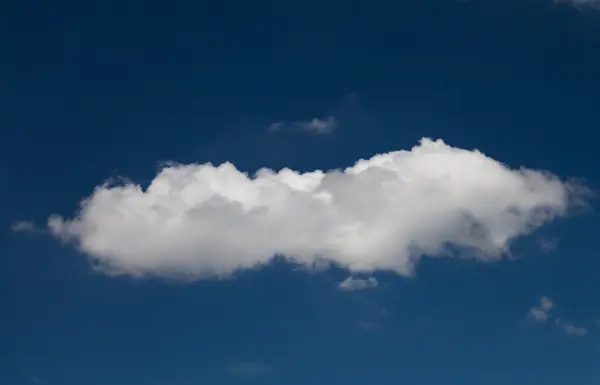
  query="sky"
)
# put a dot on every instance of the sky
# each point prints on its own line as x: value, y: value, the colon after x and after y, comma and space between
x: 299, y: 192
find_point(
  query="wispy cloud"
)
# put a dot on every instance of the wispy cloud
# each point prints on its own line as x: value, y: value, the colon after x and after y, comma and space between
x: 581, y: 3
x: 368, y: 325
x: 249, y: 369
x: 354, y: 284
x: 548, y: 245
x: 321, y: 126
x: 541, y: 313
x: 24, y: 227
x: 277, y: 126
x: 571, y: 329
x: 544, y: 311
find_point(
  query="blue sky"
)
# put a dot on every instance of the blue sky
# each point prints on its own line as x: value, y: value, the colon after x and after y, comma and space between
x: 436, y: 265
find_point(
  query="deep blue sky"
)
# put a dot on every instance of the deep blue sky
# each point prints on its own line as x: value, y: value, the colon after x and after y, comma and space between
x: 93, y: 90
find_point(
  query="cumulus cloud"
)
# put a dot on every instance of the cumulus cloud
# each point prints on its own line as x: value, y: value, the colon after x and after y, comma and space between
x: 571, y: 329
x: 383, y: 213
x: 542, y: 312
x: 353, y: 284
x: 318, y: 126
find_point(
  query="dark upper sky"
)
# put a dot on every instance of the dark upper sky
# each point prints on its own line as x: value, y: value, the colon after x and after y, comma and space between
x: 95, y: 90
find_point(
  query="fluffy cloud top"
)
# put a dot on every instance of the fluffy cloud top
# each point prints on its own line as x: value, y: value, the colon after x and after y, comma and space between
x: 201, y: 220
x: 541, y: 313
x: 353, y: 284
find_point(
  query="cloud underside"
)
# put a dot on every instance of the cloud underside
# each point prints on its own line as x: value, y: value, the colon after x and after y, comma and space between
x: 383, y: 213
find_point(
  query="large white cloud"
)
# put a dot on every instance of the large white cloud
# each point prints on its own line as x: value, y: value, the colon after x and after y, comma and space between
x: 200, y: 220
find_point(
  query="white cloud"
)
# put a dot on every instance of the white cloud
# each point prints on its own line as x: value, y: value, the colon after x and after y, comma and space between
x: 318, y: 126
x: 383, y: 213
x: 24, y: 226
x: 571, y: 329
x: 581, y: 3
x: 353, y: 284
x: 541, y: 313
